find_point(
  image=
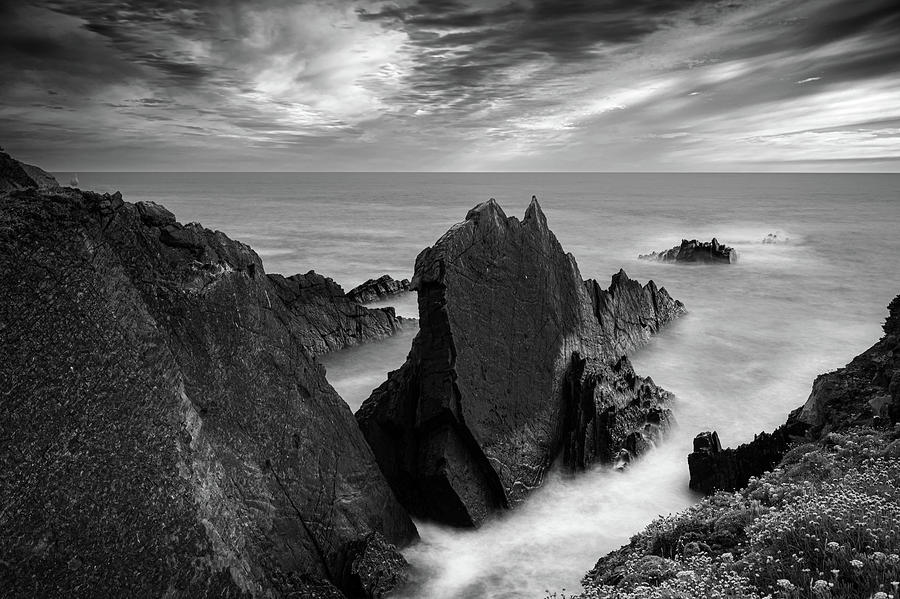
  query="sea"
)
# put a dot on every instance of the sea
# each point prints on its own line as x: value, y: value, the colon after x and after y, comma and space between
x: 757, y: 333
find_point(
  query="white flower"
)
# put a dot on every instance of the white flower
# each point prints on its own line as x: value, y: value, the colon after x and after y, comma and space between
x: 786, y: 584
x: 856, y: 564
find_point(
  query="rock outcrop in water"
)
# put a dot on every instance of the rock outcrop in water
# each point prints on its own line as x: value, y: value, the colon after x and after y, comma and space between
x: 165, y: 431
x: 693, y: 251
x: 630, y: 313
x: 376, y: 289
x: 516, y: 361
x: 830, y: 494
x: 325, y: 319
x: 18, y: 175
x: 866, y: 392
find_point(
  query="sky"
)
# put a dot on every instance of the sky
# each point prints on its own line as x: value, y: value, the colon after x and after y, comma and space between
x: 452, y: 85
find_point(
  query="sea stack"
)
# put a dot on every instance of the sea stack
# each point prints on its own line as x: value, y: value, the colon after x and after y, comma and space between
x: 697, y: 252
x: 511, y: 367
x: 166, y: 432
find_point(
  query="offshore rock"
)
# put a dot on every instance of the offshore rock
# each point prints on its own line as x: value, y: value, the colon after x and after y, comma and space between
x: 704, y: 252
x: 866, y: 392
x: 324, y: 319
x: 165, y: 431
x: 511, y: 367
x: 18, y: 175
x: 376, y: 289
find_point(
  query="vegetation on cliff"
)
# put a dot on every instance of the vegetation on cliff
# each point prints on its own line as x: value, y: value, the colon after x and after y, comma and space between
x: 825, y: 523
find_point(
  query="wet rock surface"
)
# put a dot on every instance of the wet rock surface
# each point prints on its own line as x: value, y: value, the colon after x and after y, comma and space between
x: 866, y: 392
x: 166, y: 430
x: 514, y: 363
x: 693, y: 251
x: 376, y: 289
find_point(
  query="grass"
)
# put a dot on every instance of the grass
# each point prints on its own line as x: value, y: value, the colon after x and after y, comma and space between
x: 824, y: 525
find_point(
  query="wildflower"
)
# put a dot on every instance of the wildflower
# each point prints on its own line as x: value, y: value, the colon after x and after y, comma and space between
x: 832, y: 547
x: 685, y: 574
x: 819, y: 587
x: 856, y: 564
x: 786, y: 584
x: 880, y: 595
x: 727, y: 557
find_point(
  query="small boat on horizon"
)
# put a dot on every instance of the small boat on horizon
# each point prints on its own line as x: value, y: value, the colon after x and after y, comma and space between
x: 74, y: 181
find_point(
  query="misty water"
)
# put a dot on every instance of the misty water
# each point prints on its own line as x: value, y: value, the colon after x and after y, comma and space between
x: 756, y: 335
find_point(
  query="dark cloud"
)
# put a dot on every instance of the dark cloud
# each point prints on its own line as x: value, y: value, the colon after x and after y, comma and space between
x: 358, y: 78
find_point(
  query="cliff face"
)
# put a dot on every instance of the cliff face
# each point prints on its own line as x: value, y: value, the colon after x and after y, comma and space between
x: 510, y: 366
x: 165, y: 432
x: 866, y: 392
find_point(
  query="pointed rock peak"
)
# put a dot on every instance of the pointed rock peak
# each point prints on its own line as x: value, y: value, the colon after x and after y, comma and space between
x: 489, y: 209
x: 535, y: 214
x: 619, y: 278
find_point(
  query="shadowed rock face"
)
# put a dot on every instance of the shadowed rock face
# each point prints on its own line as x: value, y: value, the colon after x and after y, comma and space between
x: 703, y: 252
x: 165, y: 431
x: 376, y: 289
x: 866, y: 392
x: 17, y: 175
x: 511, y: 365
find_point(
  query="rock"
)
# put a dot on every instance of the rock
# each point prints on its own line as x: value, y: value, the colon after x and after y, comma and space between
x: 324, y: 319
x: 376, y: 289
x: 511, y: 367
x: 376, y: 568
x: 155, y: 215
x: 18, y: 175
x: 715, y: 469
x: 774, y: 238
x: 165, y: 430
x: 866, y: 392
x: 629, y: 313
x: 705, y: 252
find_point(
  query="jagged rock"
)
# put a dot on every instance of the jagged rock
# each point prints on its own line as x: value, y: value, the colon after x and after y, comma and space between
x: 715, y: 469
x: 510, y: 367
x: 18, y: 175
x: 324, y: 319
x: 376, y: 289
x: 165, y: 432
x: 866, y: 392
x: 706, y: 252
x: 629, y: 313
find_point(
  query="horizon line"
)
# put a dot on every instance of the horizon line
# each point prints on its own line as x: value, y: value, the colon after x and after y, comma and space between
x: 535, y: 172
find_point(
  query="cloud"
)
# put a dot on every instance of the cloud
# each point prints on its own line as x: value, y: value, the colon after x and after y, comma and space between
x: 449, y: 84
